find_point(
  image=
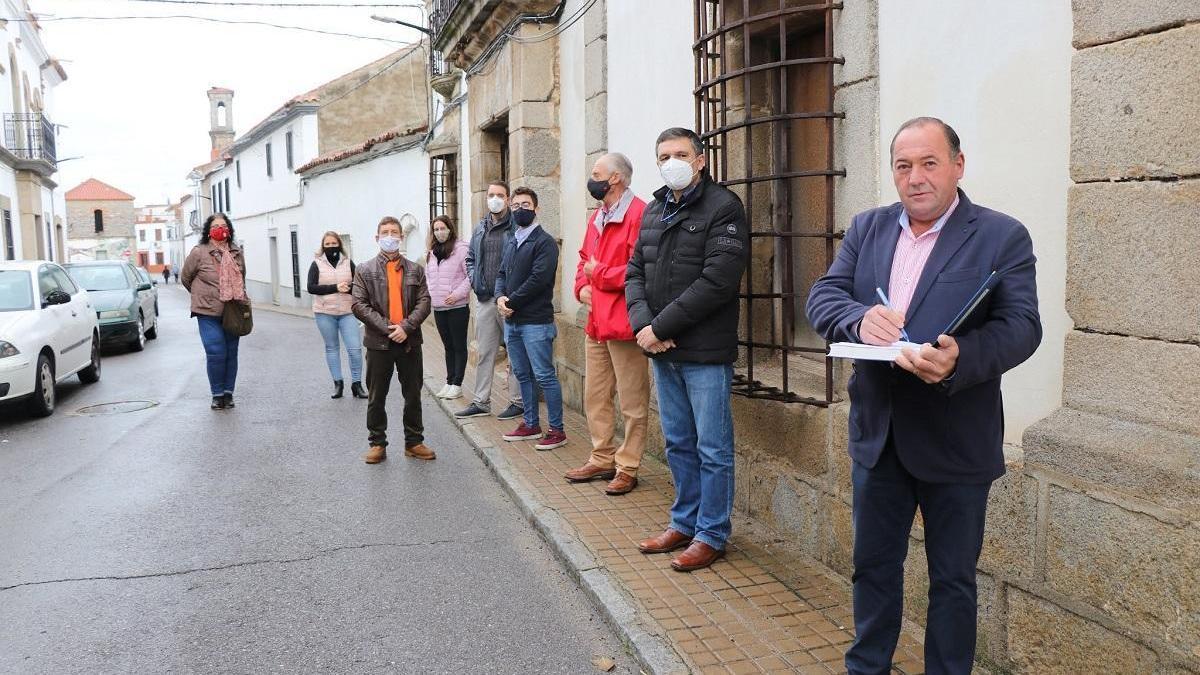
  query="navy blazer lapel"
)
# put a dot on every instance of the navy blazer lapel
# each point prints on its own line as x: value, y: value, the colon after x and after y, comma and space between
x: 954, y: 234
x: 886, y: 235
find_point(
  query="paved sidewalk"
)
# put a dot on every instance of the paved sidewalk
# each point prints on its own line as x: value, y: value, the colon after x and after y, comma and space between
x: 757, y: 610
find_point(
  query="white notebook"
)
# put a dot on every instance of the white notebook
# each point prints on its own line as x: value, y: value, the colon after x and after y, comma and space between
x: 854, y: 350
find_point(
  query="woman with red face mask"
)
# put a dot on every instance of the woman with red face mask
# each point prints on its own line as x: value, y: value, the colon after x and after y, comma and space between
x: 215, y: 274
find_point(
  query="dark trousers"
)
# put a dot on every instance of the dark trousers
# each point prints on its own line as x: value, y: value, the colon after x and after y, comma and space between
x: 406, y: 364
x: 452, y: 326
x: 886, y: 498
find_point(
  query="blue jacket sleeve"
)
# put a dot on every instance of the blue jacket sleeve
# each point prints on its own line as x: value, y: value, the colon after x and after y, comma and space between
x: 1013, y: 329
x: 832, y: 309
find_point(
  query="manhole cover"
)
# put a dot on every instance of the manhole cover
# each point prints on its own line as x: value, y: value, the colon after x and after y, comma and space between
x: 116, y: 408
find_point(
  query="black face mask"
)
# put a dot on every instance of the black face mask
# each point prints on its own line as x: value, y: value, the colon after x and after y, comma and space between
x: 333, y: 253
x: 598, y: 188
x: 523, y: 217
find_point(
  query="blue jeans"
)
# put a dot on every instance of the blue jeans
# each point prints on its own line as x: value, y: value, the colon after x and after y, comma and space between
x: 531, y: 352
x: 345, y: 325
x: 221, y: 348
x: 697, y: 424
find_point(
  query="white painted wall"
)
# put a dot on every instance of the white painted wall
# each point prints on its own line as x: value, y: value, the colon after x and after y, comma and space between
x: 999, y: 73
x: 650, y: 69
x: 352, y: 201
x: 573, y: 196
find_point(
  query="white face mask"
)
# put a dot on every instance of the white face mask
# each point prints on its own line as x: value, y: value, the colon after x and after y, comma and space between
x: 496, y: 204
x: 389, y: 244
x: 676, y: 173
x: 441, y: 235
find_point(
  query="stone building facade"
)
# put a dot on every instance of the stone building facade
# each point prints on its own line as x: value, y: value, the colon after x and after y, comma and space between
x: 1077, y: 118
x: 101, y: 223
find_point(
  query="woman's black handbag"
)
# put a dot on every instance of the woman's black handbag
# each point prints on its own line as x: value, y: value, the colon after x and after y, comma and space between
x: 237, y: 319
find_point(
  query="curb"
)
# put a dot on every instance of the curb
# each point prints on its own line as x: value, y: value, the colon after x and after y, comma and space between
x: 640, y: 633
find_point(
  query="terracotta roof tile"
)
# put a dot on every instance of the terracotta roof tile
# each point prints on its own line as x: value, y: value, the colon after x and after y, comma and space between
x: 346, y: 153
x: 92, y: 190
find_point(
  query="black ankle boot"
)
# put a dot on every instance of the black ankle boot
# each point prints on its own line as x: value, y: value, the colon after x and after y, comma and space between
x: 337, y: 389
x: 228, y: 399
x: 218, y: 402
x: 356, y: 388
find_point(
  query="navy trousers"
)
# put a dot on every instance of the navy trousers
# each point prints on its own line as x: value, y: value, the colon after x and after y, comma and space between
x: 886, y: 498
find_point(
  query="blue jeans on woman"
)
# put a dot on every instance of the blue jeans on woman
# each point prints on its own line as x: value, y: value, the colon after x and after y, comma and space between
x: 697, y: 424
x: 346, y: 326
x: 221, y: 348
x: 531, y: 352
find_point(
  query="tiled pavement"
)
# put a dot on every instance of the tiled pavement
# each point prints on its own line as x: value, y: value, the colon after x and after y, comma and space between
x: 757, y: 610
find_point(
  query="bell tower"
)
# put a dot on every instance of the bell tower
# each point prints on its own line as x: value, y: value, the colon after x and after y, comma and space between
x: 220, y: 113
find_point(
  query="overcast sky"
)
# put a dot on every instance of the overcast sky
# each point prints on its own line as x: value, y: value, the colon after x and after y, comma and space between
x: 134, y: 103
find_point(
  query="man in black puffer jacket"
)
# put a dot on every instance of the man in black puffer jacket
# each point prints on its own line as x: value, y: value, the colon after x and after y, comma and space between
x: 682, y: 293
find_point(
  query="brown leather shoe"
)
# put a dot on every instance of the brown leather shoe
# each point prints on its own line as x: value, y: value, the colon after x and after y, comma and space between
x: 419, y: 451
x: 621, y: 484
x: 666, y: 542
x: 697, y: 556
x: 375, y: 455
x: 589, y: 472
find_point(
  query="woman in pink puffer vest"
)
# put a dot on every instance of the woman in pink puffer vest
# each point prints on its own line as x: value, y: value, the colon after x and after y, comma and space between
x: 450, y: 290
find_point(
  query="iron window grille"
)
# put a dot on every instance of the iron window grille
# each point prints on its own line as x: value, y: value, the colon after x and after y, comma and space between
x: 443, y: 187
x: 10, y: 250
x: 764, y: 97
x: 295, y: 264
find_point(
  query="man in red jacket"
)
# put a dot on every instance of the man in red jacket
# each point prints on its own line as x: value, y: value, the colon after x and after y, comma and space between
x: 615, y: 364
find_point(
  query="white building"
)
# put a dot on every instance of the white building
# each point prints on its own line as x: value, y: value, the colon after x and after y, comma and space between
x: 153, y: 229
x: 361, y: 120
x: 32, y: 212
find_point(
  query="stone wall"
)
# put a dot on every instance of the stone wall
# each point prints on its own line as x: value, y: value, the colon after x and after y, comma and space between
x: 1109, y: 581
x: 388, y: 94
x: 119, y: 218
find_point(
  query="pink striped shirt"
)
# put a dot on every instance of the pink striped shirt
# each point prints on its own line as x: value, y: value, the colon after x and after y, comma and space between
x: 909, y: 260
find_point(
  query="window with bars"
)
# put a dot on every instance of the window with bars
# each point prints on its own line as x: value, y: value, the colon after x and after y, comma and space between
x: 443, y: 187
x: 295, y: 264
x: 765, y: 108
x: 10, y: 249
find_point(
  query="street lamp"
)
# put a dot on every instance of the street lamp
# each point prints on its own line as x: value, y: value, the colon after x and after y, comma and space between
x: 388, y: 19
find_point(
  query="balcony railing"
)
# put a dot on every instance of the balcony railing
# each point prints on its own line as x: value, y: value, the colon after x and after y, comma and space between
x: 437, y: 64
x: 442, y: 9
x: 30, y: 136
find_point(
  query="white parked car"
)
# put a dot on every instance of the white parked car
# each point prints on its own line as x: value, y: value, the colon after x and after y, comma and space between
x: 48, y: 332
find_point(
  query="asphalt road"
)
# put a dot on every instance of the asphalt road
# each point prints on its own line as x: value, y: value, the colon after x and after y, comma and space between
x: 179, y: 539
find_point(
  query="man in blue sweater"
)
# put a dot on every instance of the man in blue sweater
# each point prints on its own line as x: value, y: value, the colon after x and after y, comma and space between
x: 525, y: 298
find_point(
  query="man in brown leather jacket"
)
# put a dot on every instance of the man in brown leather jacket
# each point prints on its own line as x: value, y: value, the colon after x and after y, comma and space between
x: 391, y: 298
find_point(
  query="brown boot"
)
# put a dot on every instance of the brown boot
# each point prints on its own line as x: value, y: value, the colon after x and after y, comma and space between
x: 419, y: 451
x: 697, y: 556
x: 589, y: 472
x: 622, y: 484
x: 375, y: 455
x: 665, y: 543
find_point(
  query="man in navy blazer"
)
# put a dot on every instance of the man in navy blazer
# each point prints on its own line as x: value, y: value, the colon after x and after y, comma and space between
x: 926, y: 431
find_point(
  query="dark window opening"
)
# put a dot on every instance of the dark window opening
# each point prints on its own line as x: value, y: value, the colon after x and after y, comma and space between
x: 237, y: 167
x: 97, y: 217
x: 288, y: 146
x: 295, y: 265
x: 765, y: 108
x: 270, y: 172
x: 443, y: 187
x: 226, y: 196
x: 10, y: 249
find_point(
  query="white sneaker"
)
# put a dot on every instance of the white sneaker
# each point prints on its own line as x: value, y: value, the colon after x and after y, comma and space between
x: 453, y: 391
x: 442, y: 392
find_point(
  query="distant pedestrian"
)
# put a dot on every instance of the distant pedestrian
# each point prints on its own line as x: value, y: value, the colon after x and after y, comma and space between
x: 492, y: 233
x: 614, y: 364
x: 525, y: 298
x: 392, y: 300
x: 450, y: 290
x: 682, y: 290
x: 166, y: 272
x: 215, y: 274
x: 329, y: 279
x: 176, y: 273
